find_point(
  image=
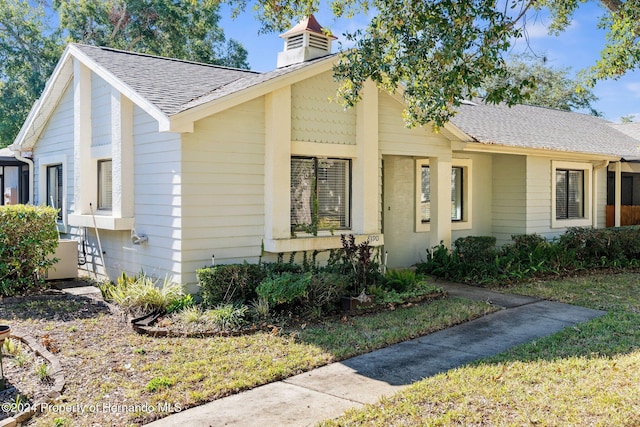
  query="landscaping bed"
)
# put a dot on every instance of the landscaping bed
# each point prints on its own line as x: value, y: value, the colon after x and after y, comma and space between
x: 115, y: 376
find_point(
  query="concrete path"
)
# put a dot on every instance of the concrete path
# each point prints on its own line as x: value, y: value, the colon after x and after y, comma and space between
x: 328, y: 391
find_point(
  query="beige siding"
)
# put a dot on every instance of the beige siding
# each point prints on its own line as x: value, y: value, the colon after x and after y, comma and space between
x: 509, y: 197
x: 601, y: 188
x: 397, y: 139
x: 315, y: 118
x: 539, y: 197
x: 223, y: 188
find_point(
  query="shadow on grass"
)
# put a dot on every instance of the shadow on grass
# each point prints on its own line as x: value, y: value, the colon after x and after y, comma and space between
x: 62, y: 307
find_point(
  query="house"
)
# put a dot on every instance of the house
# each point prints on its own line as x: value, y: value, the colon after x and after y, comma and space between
x: 167, y: 162
x: 14, y: 178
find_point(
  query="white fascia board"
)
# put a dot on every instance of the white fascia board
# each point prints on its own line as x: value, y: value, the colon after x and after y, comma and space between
x: 185, y: 119
x: 478, y: 147
x: 45, y: 105
x: 120, y: 86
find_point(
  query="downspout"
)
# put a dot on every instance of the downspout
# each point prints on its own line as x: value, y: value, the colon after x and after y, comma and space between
x: 29, y: 162
x: 594, y: 193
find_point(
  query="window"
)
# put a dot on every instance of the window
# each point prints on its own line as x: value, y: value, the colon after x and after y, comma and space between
x: 54, y: 188
x: 425, y: 194
x: 456, y: 194
x: 569, y: 194
x: 104, y: 185
x: 320, y: 193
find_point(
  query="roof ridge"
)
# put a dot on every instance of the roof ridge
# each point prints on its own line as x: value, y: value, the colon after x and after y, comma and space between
x: 166, y: 58
x: 524, y: 104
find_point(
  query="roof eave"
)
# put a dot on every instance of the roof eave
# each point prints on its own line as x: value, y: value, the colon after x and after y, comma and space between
x: 44, y: 106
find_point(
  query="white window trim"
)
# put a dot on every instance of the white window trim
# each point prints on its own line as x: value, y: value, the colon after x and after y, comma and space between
x: 103, y: 211
x: 45, y: 162
x: 467, y: 201
x: 577, y: 222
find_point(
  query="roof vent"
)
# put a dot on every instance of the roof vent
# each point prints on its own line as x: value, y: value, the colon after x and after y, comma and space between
x: 304, y: 42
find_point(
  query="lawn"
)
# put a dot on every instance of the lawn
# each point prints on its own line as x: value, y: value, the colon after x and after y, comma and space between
x: 585, y: 375
x: 109, y: 366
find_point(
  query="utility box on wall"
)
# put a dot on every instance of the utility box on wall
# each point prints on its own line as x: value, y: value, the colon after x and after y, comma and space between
x: 67, y: 265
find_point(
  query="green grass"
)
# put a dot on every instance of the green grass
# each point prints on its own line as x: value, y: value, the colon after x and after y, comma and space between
x: 583, y: 375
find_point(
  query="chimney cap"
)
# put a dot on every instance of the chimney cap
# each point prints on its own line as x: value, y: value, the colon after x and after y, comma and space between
x: 308, y: 24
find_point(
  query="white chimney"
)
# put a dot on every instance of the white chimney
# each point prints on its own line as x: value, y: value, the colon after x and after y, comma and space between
x: 304, y: 42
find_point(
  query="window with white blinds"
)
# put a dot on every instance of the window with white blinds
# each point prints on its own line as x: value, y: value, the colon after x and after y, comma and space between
x: 321, y: 187
x: 105, y: 185
x: 456, y: 194
x: 569, y: 194
x: 54, y: 188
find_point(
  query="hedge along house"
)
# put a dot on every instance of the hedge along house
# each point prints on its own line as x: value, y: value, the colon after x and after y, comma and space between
x: 177, y: 161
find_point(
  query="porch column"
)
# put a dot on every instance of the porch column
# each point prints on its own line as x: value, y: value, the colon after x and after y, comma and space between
x: 277, y: 166
x: 366, y: 180
x: 440, y: 168
x: 84, y: 190
x: 618, y: 193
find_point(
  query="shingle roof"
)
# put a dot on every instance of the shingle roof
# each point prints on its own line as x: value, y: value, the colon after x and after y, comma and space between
x: 167, y: 83
x: 175, y: 85
x: 527, y: 126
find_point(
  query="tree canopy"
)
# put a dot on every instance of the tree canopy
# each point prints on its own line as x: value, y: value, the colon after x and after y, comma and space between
x: 439, y: 52
x: 33, y: 34
x: 547, y: 86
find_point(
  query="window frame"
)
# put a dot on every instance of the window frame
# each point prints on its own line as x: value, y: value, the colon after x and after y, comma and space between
x: 100, y: 195
x: 43, y: 190
x: 348, y: 185
x: 465, y: 221
x: 586, y: 169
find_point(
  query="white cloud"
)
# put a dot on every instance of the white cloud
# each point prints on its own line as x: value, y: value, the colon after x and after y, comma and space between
x: 634, y: 88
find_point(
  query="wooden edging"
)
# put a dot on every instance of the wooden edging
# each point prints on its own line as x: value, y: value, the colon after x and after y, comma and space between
x: 57, y: 375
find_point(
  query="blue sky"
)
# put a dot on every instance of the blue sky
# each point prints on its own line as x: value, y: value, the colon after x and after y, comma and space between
x: 577, y: 47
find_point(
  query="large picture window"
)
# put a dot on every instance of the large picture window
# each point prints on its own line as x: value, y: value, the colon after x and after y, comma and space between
x: 457, y: 192
x: 569, y: 194
x: 320, y: 193
x: 54, y: 188
x: 104, y: 185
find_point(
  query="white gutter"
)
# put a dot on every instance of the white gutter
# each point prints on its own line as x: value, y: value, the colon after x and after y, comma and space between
x: 29, y: 162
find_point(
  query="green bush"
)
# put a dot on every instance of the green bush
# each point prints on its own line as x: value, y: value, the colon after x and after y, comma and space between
x: 325, y: 290
x: 286, y: 288
x: 401, y: 280
x: 142, y: 294
x: 533, y: 256
x: 228, y: 283
x: 28, y: 235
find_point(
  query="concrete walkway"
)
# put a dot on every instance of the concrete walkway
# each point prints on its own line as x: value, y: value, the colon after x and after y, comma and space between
x: 328, y: 391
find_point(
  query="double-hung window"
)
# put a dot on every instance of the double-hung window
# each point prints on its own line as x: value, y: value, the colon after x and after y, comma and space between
x: 569, y: 194
x: 54, y: 188
x: 104, y: 185
x: 320, y: 193
x: 457, y: 192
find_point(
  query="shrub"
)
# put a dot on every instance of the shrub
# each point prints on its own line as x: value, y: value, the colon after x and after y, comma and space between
x: 229, y: 283
x: 356, y: 261
x: 227, y: 316
x: 401, y: 280
x: 28, y: 235
x: 141, y: 294
x: 476, y: 249
x: 325, y: 290
x: 285, y: 288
